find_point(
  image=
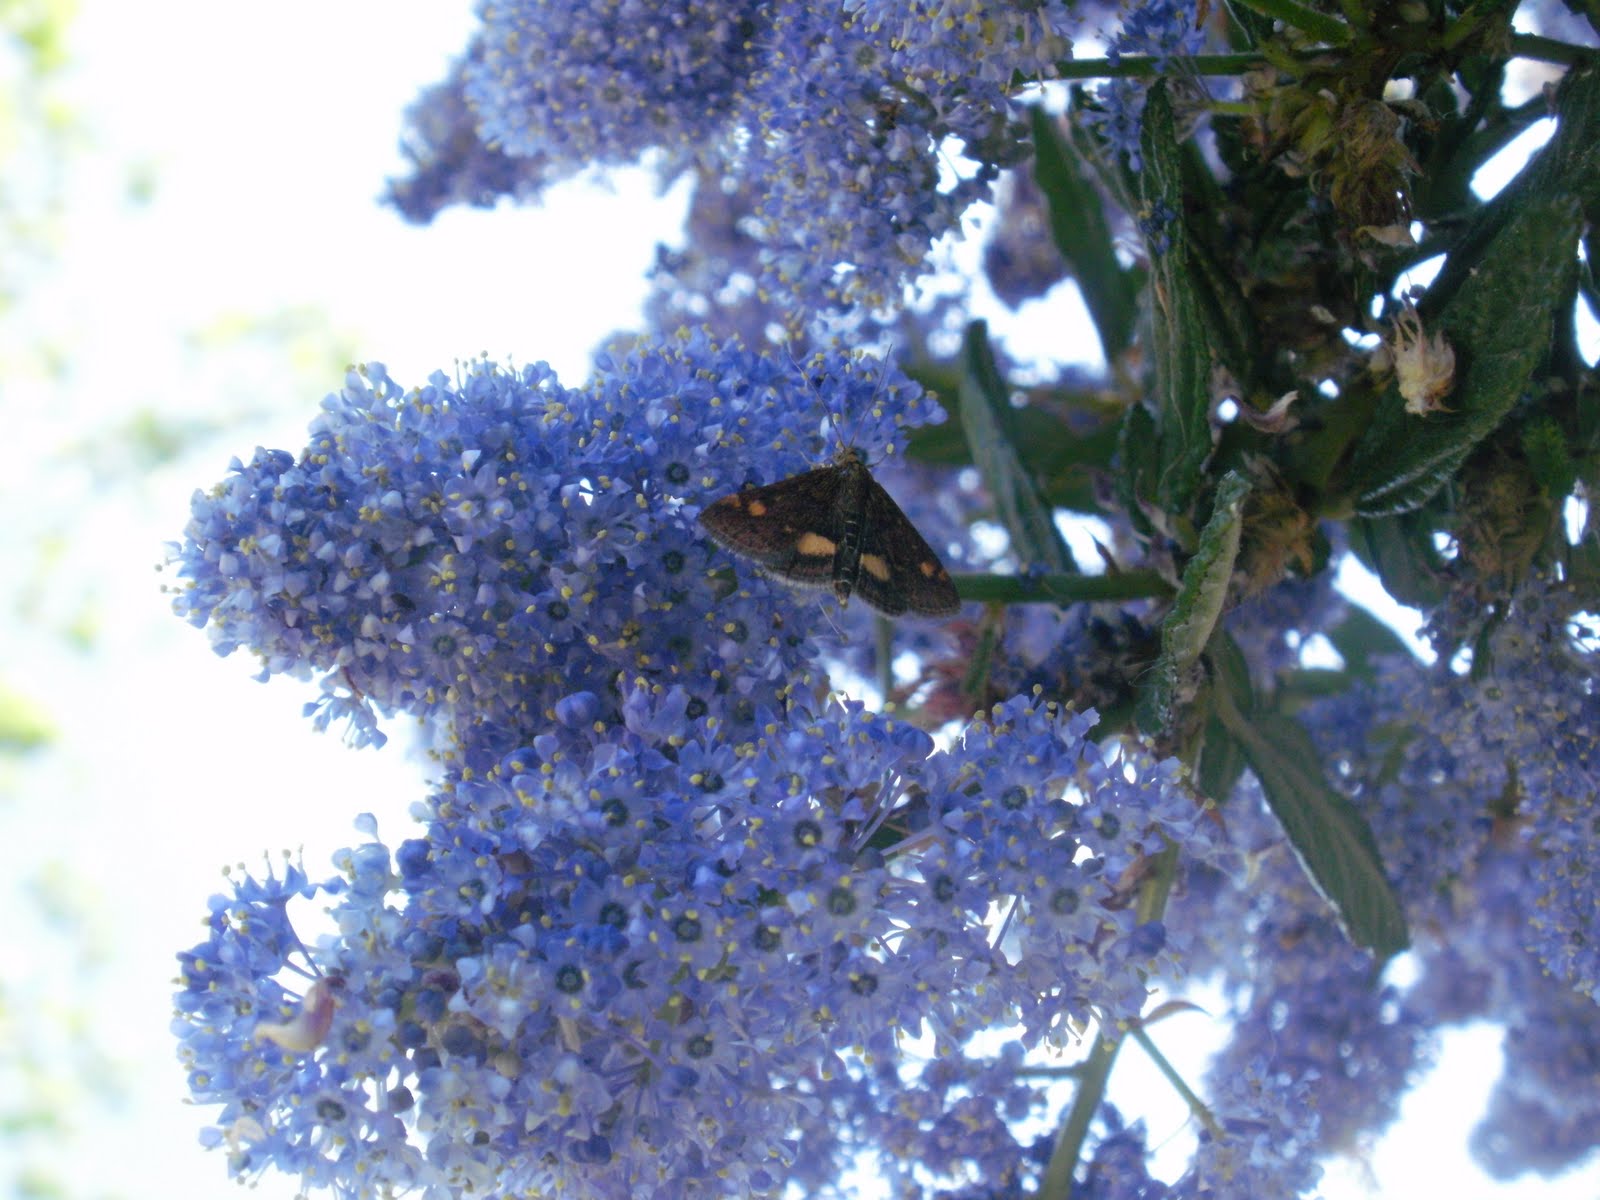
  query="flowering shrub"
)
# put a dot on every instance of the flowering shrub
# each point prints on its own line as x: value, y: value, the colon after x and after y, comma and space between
x: 679, y: 916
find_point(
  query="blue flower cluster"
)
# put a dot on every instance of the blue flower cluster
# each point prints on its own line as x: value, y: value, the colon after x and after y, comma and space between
x: 1544, y: 1112
x: 840, y: 122
x: 1321, y: 1048
x: 638, y: 970
x: 1340, y: 1046
x: 602, y: 82
x: 673, y: 913
x: 1163, y: 30
x: 1520, y: 749
x: 449, y: 162
x: 1474, y: 785
x: 474, y: 550
x: 1020, y: 259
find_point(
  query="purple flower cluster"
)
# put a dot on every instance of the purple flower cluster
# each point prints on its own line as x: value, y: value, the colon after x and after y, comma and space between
x: 1162, y: 30
x: 600, y: 83
x: 449, y: 164
x: 1474, y: 785
x: 670, y: 906
x: 1317, y: 1021
x: 1020, y: 260
x: 1544, y: 1112
x: 476, y: 549
x: 639, y: 968
x: 1514, y: 754
x: 838, y: 123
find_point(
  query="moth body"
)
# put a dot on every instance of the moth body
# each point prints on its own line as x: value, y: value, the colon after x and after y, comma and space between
x: 836, y: 527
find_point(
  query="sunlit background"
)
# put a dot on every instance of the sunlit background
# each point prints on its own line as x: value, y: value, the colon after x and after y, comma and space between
x: 190, y: 255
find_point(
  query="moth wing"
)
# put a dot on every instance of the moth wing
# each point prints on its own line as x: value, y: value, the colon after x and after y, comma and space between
x: 898, y: 569
x: 790, y: 529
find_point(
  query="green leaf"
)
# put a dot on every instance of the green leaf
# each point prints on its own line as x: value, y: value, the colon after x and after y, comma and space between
x: 1247, y: 28
x: 1221, y: 757
x: 1080, y: 230
x: 1061, y: 459
x: 1546, y: 448
x: 1141, y: 462
x: 1400, y: 552
x: 987, y: 419
x: 1567, y: 165
x: 1361, y: 637
x: 1198, y: 604
x: 1067, y: 470
x: 1181, y: 345
x: 1499, y: 325
x: 1328, y: 834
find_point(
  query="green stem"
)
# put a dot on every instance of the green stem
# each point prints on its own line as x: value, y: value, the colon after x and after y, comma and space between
x: 1143, y: 66
x: 1095, y: 1070
x: 1057, y: 1183
x: 883, y: 638
x: 975, y: 684
x: 1196, y: 1105
x: 1138, y: 66
x: 1531, y: 45
x: 1154, y: 891
x: 1061, y: 589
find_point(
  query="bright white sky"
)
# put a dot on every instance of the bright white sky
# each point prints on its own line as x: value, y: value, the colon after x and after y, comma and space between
x: 264, y: 133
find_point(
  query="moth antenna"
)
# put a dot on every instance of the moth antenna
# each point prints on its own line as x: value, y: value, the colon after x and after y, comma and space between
x: 827, y: 615
x: 884, y: 363
x: 802, y: 370
x: 884, y: 360
x: 849, y: 435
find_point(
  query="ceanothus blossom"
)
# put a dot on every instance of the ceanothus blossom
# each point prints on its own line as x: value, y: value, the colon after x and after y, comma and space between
x: 644, y: 967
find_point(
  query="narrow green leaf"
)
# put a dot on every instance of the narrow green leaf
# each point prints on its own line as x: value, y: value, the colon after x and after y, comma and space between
x: 1222, y: 759
x: 1182, y: 358
x: 1198, y: 604
x: 1060, y: 457
x: 1141, y: 464
x: 987, y: 419
x: 1080, y: 230
x: 1328, y: 834
x: 1499, y: 324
